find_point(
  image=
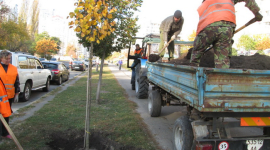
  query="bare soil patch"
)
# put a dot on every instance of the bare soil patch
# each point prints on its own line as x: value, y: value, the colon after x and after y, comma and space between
x: 74, y: 140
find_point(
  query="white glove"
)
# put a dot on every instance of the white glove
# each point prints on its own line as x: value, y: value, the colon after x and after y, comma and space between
x: 173, y: 37
x: 165, y: 43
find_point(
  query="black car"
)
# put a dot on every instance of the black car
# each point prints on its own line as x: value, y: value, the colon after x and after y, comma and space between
x: 59, y: 71
x: 78, y: 65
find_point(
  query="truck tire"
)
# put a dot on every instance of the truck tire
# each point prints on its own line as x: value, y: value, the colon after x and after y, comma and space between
x: 133, y: 86
x: 182, y: 134
x: 154, y: 103
x: 26, y: 92
x: 46, y: 89
x: 141, y: 86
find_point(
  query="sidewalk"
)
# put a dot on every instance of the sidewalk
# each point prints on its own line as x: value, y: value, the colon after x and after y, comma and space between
x: 160, y: 127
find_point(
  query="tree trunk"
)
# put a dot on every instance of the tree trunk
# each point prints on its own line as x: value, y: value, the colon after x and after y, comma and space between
x: 97, y: 64
x: 88, y: 101
x: 100, y: 78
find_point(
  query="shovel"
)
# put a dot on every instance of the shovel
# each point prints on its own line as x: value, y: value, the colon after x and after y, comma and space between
x: 241, y: 28
x: 10, y: 132
x: 164, y: 47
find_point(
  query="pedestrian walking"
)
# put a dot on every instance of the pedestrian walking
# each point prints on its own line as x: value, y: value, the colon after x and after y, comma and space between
x: 120, y: 62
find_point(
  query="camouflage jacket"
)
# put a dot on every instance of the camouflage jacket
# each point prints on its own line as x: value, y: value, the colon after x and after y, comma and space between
x: 250, y: 4
x: 169, y: 27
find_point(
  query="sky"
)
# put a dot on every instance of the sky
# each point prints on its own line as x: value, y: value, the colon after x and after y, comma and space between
x: 156, y: 11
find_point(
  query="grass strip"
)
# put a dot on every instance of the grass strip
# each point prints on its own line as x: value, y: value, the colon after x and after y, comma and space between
x: 115, y: 115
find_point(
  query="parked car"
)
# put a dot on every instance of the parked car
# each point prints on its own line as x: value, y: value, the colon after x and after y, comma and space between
x: 59, y: 71
x: 86, y: 62
x: 78, y: 65
x: 93, y: 62
x: 42, y: 59
x: 32, y: 74
x: 53, y: 59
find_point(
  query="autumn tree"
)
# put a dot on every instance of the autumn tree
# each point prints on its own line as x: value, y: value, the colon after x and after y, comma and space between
x: 23, y: 14
x: 3, y: 11
x: 71, y: 50
x: 95, y: 21
x: 263, y: 42
x: 246, y: 42
x: 34, y: 21
x: 41, y: 36
x: 46, y: 47
x: 191, y: 37
x: 16, y: 36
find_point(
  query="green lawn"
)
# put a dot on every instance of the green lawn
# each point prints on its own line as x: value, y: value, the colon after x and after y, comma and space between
x: 115, y: 117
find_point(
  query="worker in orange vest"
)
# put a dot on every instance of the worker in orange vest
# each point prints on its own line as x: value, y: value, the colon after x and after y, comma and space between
x: 138, y: 52
x: 217, y: 22
x: 4, y: 103
x: 10, y: 78
x: 5, y: 110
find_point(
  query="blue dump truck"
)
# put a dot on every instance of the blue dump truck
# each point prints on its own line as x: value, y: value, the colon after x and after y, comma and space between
x: 226, y: 109
x: 217, y: 101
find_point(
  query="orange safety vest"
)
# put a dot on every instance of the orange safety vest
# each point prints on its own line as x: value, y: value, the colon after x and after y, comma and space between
x: 5, y: 109
x: 9, y: 79
x: 212, y: 11
x: 139, y: 51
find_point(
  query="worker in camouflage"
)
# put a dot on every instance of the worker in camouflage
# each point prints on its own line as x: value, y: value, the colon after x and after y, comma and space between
x: 218, y: 33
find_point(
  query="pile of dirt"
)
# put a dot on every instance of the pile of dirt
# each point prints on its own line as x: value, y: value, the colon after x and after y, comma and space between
x: 153, y: 58
x: 74, y: 140
x: 256, y: 62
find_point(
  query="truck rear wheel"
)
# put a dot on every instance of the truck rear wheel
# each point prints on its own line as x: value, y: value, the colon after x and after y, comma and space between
x: 142, y: 86
x: 182, y: 134
x: 133, y: 86
x: 154, y: 104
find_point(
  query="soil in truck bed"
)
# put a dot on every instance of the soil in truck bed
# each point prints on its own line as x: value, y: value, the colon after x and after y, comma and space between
x: 257, y: 61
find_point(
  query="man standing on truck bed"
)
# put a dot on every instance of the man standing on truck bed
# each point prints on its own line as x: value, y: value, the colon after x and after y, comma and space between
x: 216, y: 26
x: 169, y: 29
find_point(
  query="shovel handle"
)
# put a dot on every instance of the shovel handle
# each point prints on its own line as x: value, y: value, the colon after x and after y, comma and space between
x: 165, y: 47
x: 247, y: 24
x: 239, y: 29
x: 11, y: 133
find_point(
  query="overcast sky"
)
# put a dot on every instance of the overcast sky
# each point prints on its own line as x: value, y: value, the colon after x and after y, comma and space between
x: 153, y: 10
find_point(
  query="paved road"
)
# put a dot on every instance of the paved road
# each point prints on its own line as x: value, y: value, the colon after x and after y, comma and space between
x: 160, y: 127
x: 35, y: 95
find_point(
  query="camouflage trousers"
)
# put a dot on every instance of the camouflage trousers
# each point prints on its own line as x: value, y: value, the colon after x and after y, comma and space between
x: 170, y: 47
x: 221, y: 39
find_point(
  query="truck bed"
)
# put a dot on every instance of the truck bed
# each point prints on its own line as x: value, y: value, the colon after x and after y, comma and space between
x: 221, y: 92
